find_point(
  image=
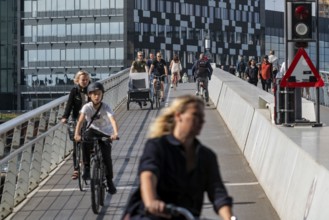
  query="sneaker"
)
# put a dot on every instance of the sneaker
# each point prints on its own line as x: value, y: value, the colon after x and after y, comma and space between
x: 86, y: 173
x: 171, y: 86
x: 196, y: 93
x: 144, y: 104
x: 111, y: 187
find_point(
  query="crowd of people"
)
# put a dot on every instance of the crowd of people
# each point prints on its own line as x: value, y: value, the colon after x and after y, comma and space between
x: 267, y: 71
x: 170, y: 171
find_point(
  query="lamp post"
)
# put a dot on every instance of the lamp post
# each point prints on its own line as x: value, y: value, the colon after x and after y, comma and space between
x: 207, y: 47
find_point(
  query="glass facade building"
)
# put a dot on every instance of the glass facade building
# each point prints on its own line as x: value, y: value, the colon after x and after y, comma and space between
x: 45, y: 42
x: 8, y: 54
x: 60, y: 37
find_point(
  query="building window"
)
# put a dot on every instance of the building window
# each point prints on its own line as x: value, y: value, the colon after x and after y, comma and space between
x: 161, y: 30
x: 197, y: 10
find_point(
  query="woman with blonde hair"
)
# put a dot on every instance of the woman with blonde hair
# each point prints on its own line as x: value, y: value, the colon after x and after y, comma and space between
x: 176, y: 168
x: 77, y: 98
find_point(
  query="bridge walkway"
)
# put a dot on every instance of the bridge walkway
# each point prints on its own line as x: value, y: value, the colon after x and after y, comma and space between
x: 59, y: 197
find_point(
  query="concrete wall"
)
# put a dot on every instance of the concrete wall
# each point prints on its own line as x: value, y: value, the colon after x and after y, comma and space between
x: 286, y: 161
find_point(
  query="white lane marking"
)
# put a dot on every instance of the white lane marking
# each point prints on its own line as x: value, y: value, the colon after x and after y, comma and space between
x: 134, y: 187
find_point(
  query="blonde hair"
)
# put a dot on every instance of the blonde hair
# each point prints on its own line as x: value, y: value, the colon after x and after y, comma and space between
x: 165, y: 123
x: 80, y: 73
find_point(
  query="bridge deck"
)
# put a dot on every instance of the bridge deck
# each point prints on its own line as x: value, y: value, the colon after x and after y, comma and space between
x: 59, y: 197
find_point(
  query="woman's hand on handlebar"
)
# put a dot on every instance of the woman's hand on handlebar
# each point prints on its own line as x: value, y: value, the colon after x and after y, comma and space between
x: 157, y: 208
x: 77, y: 137
x: 114, y: 137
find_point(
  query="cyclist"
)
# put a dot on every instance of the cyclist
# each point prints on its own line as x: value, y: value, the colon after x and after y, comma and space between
x: 176, y: 168
x: 202, y: 70
x: 139, y: 66
x: 100, y: 123
x: 77, y: 98
x: 175, y: 68
x: 160, y: 67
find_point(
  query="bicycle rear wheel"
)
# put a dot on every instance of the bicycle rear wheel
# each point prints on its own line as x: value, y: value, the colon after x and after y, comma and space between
x: 95, y: 185
x: 157, y: 99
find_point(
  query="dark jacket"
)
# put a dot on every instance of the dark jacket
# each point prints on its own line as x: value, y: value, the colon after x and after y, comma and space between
x: 165, y: 158
x: 196, y: 69
x: 74, y: 103
x: 252, y: 74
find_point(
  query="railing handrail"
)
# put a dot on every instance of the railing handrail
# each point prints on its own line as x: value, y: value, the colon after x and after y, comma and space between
x: 31, y: 114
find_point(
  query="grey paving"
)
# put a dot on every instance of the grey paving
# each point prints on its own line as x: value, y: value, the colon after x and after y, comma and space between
x: 60, y: 198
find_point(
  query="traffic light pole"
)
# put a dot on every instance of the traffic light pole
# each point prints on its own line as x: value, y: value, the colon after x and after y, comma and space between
x: 299, y: 29
x: 317, y: 65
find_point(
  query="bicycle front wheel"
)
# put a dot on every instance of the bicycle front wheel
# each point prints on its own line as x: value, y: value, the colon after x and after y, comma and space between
x: 82, y: 182
x: 95, y: 185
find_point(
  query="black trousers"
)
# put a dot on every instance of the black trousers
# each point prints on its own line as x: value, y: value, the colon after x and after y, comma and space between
x: 106, y: 149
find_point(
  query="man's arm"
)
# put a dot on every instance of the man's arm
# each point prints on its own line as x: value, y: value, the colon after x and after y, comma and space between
x: 132, y: 67
x: 151, y: 69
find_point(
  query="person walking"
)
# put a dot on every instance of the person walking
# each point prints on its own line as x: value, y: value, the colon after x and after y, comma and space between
x: 275, y: 64
x: 77, y: 98
x: 265, y: 74
x: 175, y: 68
x: 176, y: 168
x: 252, y: 72
x: 241, y: 68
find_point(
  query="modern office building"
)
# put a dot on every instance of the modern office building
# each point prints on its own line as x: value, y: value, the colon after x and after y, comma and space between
x: 8, y: 54
x: 47, y: 41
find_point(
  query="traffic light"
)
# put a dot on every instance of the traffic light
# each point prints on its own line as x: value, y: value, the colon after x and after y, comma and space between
x: 301, y: 19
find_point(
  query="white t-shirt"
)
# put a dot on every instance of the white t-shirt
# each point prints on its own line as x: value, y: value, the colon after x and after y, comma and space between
x: 101, y: 122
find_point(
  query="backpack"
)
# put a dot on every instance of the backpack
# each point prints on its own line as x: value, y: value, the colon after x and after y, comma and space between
x: 202, y: 69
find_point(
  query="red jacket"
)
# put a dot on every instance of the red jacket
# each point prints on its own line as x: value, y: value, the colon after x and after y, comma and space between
x: 266, y: 70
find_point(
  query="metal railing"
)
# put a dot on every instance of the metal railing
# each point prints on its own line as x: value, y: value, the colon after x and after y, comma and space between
x: 33, y: 144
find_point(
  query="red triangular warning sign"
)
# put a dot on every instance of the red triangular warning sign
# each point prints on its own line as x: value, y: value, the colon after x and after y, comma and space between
x: 301, y: 56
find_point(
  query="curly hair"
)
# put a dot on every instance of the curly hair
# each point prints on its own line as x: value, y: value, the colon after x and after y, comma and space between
x: 165, y: 123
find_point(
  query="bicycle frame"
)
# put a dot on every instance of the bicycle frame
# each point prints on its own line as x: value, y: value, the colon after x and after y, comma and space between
x: 157, y: 90
x: 97, y: 182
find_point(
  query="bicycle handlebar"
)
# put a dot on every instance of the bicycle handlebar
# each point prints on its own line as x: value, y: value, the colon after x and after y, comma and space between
x: 104, y: 138
x: 158, y: 77
x: 176, y: 211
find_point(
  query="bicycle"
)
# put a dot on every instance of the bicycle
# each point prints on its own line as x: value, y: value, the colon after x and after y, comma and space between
x: 174, y: 80
x: 203, y: 92
x: 78, y: 163
x: 157, y: 90
x: 176, y: 211
x: 97, y: 176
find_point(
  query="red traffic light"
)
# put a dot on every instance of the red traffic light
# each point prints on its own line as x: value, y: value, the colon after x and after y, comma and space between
x: 302, y: 13
x: 301, y: 22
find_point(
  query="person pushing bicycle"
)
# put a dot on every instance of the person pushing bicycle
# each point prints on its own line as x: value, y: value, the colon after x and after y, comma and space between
x: 100, y: 123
